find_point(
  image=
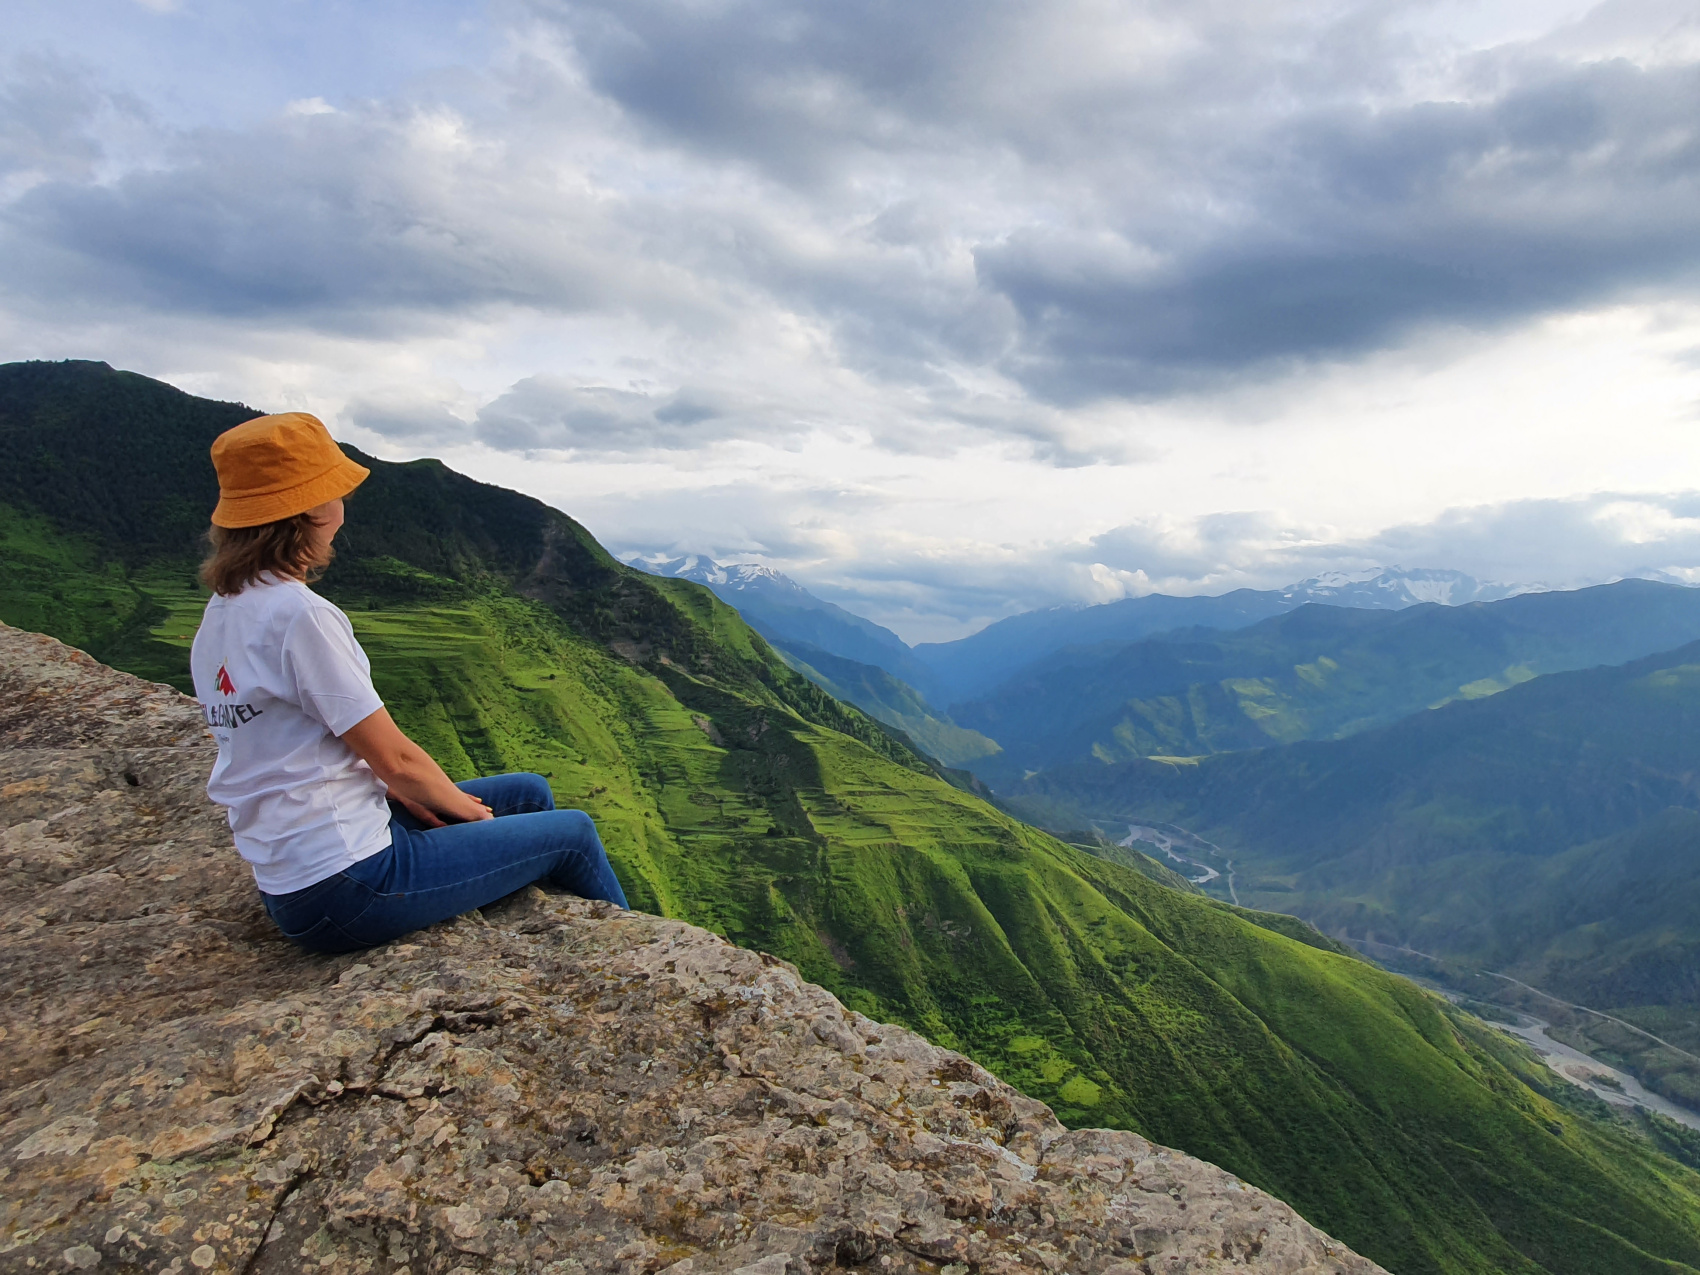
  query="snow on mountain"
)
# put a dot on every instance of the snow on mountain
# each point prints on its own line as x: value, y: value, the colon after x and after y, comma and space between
x: 784, y: 612
x: 733, y: 577
x: 1392, y: 588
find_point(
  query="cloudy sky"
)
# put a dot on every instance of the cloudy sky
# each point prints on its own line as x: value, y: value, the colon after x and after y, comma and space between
x: 949, y: 310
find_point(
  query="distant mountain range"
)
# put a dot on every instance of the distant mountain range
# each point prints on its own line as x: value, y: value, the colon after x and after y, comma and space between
x: 971, y: 666
x: 1318, y: 672
x: 1390, y: 588
x: 946, y: 673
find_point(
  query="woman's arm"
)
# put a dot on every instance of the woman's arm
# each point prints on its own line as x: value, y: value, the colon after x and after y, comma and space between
x: 413, y: 777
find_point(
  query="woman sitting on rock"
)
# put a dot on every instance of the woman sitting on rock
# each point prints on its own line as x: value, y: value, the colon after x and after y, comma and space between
x: 354, y: 833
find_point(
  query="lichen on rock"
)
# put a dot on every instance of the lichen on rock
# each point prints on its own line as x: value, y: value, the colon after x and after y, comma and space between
x: 550, y: 1085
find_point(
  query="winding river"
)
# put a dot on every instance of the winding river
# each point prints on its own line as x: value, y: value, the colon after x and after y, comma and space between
x: 1606, y: 1082
x: 1594, y: 1075
x: 1166, y: 842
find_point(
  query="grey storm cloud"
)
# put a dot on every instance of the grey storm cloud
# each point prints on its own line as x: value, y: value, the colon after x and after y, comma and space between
x: 1577, y: 188
x: 1201, y: 231
x: 46, y: 109
x: 386, y: 217
x: 552, y: 414
x: 1093, y: 201
x: 323, y: 216
x: 412, y: 419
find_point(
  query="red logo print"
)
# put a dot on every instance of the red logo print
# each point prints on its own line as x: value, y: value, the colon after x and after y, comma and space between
x: 223, y: 682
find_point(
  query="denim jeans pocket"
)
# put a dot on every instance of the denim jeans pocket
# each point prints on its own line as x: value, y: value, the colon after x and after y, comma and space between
x: 325, y: 936
x: 339, y: 900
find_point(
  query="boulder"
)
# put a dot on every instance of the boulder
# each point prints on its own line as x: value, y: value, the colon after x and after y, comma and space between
x: 549, y: 1085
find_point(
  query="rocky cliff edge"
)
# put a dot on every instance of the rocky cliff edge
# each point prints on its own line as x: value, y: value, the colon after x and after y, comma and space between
x: 549, y: 1085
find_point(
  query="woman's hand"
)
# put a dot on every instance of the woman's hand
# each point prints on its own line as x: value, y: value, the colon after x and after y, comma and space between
x: 412, y: 776
x: 428, y: 818
x: 472, y: 810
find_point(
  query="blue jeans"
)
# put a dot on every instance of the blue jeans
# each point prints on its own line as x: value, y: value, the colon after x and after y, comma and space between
x: 427, y: 875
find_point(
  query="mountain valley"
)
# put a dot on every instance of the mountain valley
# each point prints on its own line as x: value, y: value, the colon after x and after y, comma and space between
x: 1548, y: 833
x: 736, y: 794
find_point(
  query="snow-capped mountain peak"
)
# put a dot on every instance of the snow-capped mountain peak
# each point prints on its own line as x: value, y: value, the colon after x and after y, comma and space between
x: 733, y: 577
x: 783, y: 611
x: 1390, y: 588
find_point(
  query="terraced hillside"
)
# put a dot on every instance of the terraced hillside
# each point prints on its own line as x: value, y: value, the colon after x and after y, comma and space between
x: 735, y: 794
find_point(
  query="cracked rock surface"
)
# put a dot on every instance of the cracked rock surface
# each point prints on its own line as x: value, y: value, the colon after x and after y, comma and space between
x: 550, y: 1085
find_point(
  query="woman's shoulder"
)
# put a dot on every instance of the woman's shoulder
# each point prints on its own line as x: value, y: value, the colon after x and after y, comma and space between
x: 303, y: 605
x: 277, y: 599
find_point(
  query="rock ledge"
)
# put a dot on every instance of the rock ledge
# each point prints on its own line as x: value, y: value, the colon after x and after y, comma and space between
x: 551, y: 1085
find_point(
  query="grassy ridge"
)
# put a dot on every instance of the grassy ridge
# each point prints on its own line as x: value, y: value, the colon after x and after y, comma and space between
x: 733, y: 793
x: 1078, y: 980
x: 887, y: 699
x: 1316, y: 673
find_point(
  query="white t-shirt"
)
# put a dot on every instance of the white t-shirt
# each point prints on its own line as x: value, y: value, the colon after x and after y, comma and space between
x: 280, y: 677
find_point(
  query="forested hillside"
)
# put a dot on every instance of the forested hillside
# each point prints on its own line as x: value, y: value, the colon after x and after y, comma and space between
x: 734, y: 793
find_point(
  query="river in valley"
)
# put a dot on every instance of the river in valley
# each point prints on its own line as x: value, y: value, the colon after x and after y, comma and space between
x: 1604, y: 1081
x: 1600, y: 1079
x: 1592, y: 1074
x: 1171, y: 842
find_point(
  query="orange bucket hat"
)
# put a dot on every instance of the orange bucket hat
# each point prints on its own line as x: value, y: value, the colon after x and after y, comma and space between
x: 275, y: 467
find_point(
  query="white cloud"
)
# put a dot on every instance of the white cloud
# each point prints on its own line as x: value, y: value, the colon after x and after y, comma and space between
x: 409, y: 415
x: 1603, y: 536
x: 923, y: 303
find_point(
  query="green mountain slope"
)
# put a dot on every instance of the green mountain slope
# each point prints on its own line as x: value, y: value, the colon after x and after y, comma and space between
x: 734, y: 793
x: 1549, y: 833
x: 887, y: 699
x: 1319, y: 672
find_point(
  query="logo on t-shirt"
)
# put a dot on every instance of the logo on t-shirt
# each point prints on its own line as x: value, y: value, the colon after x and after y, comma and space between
x: 228, y: 716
